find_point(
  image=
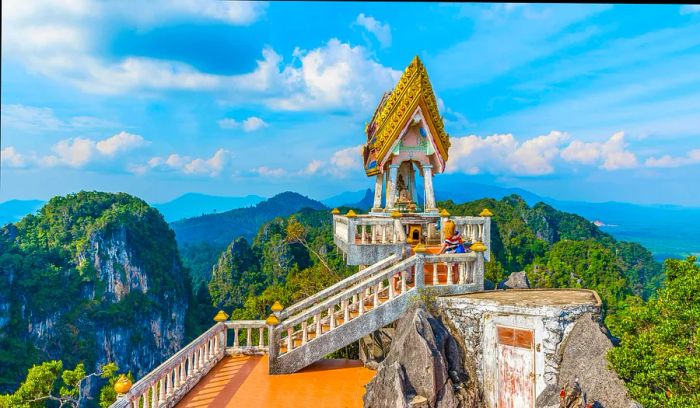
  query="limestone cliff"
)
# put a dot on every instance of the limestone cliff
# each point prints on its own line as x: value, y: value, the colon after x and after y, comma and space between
x: 94, y: 277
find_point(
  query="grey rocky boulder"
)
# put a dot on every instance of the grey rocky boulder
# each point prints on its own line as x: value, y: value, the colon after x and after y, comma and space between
x: 516, y: 280
x: 583, y: 358
x: 423, y: 368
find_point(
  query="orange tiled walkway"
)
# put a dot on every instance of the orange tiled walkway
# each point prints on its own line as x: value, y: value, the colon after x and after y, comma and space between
x: 243, y: 381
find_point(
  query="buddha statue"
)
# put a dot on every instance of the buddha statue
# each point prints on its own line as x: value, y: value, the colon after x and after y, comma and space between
x: 404, y: 200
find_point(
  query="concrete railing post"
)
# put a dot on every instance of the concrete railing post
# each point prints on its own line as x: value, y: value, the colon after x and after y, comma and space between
x: 420, y: 270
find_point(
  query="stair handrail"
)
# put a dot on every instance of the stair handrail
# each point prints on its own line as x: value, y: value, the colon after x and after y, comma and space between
x: 333, y: 300
x: 329, y: 291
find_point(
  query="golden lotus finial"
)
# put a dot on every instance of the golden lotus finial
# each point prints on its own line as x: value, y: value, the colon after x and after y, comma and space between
x: 122, y: 385
x: 351, y: 214
x: 277, y: 306
x: 272, y: 320
x: 335, y: 211
x: 444, y: 213
x: 485, y: 213
x: 221, y: 316
x: 478, y: 246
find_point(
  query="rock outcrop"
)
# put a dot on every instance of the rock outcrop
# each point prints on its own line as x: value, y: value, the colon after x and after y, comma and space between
x: 424, y: 368
x: 516, y: 280
x: 583, y: 360
x: 105, y: 283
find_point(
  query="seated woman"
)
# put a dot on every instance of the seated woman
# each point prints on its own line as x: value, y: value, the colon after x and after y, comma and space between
x: 453, y: 242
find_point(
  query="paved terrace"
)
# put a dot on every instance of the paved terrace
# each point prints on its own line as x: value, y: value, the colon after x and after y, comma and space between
x: 243, y: 381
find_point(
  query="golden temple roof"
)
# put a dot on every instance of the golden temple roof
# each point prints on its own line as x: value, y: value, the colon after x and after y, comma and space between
x: 396, y: 109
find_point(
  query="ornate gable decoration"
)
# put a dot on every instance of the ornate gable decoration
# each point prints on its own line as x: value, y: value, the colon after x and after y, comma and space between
x: 395, y: 110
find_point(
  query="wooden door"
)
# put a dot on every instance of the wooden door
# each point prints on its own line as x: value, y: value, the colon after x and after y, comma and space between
x: 516, y: 368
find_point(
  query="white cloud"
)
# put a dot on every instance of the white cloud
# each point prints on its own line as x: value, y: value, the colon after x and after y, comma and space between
x: 581, y: 152
x: 56, y: 39
x: 212, y: 166
x: 11, y: 158
x: 35, y: 119
x: 77, y: 151
x: 269, y: 172
x: 334, y: 76
x: 503, y: 154
x: 611, y: 154
x: 346, y: 161
x: 381, y: 31
x: 668, y: 161
x: 313, y: 167
x: 250, y: 124
x: 121, y: 142
x: 690, y: 9
x: 74, y: 152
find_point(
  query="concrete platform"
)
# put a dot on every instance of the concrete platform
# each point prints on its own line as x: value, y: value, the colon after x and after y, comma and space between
x: 243, y: 381
x: 535, y: 297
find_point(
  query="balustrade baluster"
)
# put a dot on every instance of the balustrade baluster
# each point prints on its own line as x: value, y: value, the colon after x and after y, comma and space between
x: 449, y: 273
x: 383, y: 234
x: 136, y: 403
x: 290, y: 343
x: 462, y: 273
x: 304, y: 332
x: 361, y: 305
x: 403, y: 282
x: 178, y: 373
x: 169, y: 384
x: 249, y: 338
x: 154, y: 395
x: 161, y: 393
x: 331, y: 317
x: 346, y: 311
x: 375, y: 298
x: 435, y: 274
x: 391, y: 286
x: 261, y: 340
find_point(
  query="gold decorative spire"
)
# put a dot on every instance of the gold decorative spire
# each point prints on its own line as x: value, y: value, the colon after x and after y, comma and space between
x: 444, y: 213
x: 351, y: 214
x: 335, y: 211
x: 485, y: 213
x: 277, y: 306
x: 122, y: 385
x: 478, y: 246
x: 413, y: 89
x: 272, y: 320
x: 221, y: 316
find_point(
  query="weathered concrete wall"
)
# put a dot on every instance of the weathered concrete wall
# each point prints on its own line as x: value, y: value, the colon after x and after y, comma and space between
x: 475, y: 321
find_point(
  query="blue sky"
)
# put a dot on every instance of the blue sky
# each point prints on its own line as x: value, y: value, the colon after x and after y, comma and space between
x: 159, y: 98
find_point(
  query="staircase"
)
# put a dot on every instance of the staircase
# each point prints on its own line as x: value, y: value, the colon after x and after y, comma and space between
x: 365, y: 302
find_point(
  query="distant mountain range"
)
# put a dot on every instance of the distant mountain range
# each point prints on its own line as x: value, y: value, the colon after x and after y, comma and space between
x: 222, y: 228
x: 669, y: 231
x: 194, y: 204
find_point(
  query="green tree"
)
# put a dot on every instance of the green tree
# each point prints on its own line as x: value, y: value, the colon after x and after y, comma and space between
x: 49, y: 382
x: 659, y: 352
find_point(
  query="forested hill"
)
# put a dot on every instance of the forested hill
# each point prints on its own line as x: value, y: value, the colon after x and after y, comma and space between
x: 221, y: 228
x: 93, y: 277
x: 560, y: 249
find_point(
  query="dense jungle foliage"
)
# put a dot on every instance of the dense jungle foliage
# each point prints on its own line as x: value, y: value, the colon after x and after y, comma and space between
x: 58, y: 293
x: 289, y: 258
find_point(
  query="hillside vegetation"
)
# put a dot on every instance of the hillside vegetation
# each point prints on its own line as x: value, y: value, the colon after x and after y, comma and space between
x: 93, y: 277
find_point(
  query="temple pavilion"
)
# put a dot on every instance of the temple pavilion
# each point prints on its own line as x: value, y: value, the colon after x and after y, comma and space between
x: 396, y: 246
x: 406, y: 136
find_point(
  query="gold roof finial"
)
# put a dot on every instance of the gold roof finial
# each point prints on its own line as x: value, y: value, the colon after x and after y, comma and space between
x: 485, y: 213
x: 444, y: 213
x: 277, y: 306
x: 478, y: 246
x: 351, y: 214
x: 335, y: 211
x: 122, y: 385
x: 272, y: 320
x: 221, y: 316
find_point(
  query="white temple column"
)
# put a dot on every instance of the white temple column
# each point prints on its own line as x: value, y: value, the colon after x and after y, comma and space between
x: 391, y: 186
x: 378, y: 193
x: 429, y: 193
